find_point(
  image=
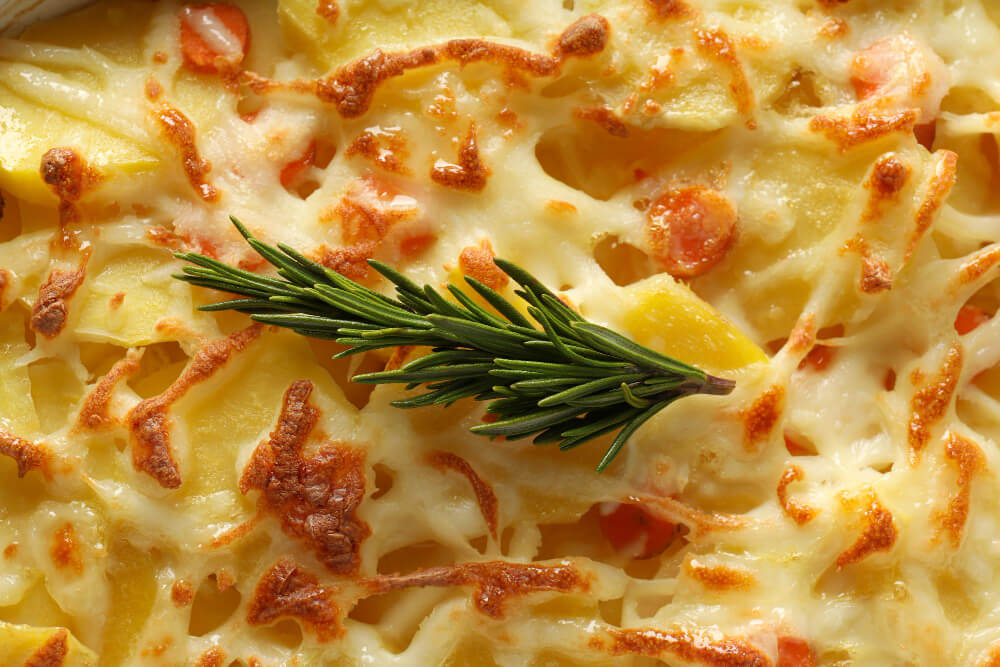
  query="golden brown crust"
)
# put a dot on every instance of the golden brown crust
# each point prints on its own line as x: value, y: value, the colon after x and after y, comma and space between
x: 586, y: 36
x: 50, y: 311
x: 670, y: 9
x: 879, y: 532
x: 888, y: 178
x: 65, y: 549
x: 728, y: 652
x: 970, y: 461
x: 181, y: 593
x: 976, y: 267
x: 28, y: 455
x: 604, y: 117
x: 698, y: 522
x: 385, y: 148
x: 328, y: 9
x: 941, y: 183
x: 70, y: 177
x: 352, y: 87
x: 485, y: 496
x: 716, y: 44
x: 52, y: 653
x: 67, y: 173
x: 315, y: 497
x: 876, y: 276
x: 149, y: 421
x: 494, y: 583
x: 351, y: 261
x: 719, y: 577
x: 760, y: 417
x: 366, y: 213
x: 477, y: 262
x: 931, y: 399
x: 213, y: 657
x: 469, y: 173
x: 797, y: 512
x: 179, y: 131
x: 864, y: 124
x: 95, y: 413
x: 153, y: 89
x: 288, y: 591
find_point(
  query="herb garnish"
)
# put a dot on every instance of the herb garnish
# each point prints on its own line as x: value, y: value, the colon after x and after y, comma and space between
x: 567, y: 382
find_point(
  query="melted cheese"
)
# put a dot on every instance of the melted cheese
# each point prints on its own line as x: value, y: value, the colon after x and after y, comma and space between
x: 178, y: 488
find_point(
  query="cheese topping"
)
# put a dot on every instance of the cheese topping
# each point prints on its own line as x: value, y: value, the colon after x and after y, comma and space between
x: 799, y: 196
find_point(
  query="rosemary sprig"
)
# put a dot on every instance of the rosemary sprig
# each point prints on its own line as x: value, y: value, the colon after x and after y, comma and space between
x: 564, y: 380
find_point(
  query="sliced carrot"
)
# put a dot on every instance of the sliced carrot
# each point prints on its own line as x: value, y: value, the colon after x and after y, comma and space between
x: 213, y: 35
x: 417, y: 244
x: 970, y: 317
x: 292, y: 172
x: 818, y: 358
x: 795, y: 448
x: 690, y: 229
x: 633, y: 531
x: 925, y: 134
x: 795, y: 652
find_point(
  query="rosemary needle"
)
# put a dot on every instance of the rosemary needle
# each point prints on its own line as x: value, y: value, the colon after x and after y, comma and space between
x: 561, y: 379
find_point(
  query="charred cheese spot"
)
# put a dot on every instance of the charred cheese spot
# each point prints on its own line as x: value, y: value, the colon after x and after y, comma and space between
x: 352, y: 88
x: 386, y: 147
x: 487, y: 499
x: 888, y: 177
x: 931, y: 400
x: 181, y: 593
x: 469, y: 173
x: 149, y: 421
x: 878, y: 534
x: 604, y: 117
x: 494, y: 583
x: 586, y: 36
x: 718, y: 577
x: 976, y: 266
x: 351, y: 261
x: 370, y: 209
x: 289, y: 591
x: 761, y: 416
x: 875, y: 275
x: 717, y: 44
x: 70, y: 177
x: 52, y: 653
x: 178, y: 130
x: 28, y: 455
x: 797, y: 512
x: 670, y: 9
x: 477, y: 262
x: 969, y: 459
x: 316, y: 496
x: 65, y: 549
x: 683, y: 644
x: 213, y: 657
x: 50, y: 311
x: 698, y: 522
x: 862, y: 126
x: 943, y: 179
x: 329, y: 10
x: 95, y: 413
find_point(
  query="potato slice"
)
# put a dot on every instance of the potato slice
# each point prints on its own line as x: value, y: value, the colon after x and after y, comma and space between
x: 667, y: 316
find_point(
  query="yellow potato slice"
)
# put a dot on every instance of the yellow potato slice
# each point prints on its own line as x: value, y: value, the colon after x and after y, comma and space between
x: 667, y: 316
